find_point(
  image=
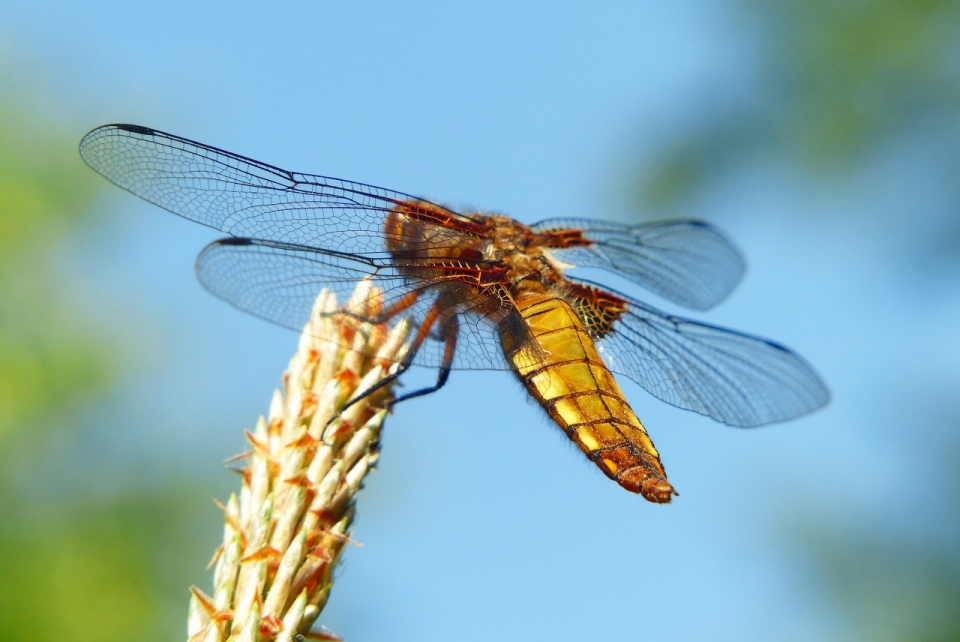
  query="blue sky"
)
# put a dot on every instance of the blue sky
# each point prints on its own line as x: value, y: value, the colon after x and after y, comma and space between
x: 482, y: 520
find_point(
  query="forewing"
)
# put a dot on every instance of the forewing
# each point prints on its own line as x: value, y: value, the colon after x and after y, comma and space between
x: 735, y: 378
x: 687, y: 261
x: 246, y: 198
x: 280, y: 283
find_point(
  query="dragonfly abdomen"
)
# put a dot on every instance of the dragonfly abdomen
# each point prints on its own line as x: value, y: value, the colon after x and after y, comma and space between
x: 567, y: 377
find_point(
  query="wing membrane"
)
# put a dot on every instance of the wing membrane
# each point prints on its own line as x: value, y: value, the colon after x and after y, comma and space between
x: 280, y: 283
x: 243, y: 197
x: 686, y: 261
x: 735, y: 378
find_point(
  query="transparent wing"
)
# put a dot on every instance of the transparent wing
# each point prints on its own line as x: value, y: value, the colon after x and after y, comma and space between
x: 280, y: 283
x: 689, y: 262
x: 735, y: 378
x: 243, y: 197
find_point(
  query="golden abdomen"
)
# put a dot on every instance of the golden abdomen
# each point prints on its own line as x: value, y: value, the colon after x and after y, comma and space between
x: 566, y: 376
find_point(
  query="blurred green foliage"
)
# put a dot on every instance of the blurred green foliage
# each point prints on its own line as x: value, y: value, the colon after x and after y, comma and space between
x: 74, y: 565
x: 83, y: 569
x: 49, y: 360
x: 898, y: 582
x: 861, y: 70
x: 836, y: 78
x: 895, y: 589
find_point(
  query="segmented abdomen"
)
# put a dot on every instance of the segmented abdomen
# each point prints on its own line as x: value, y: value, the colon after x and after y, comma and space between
x: 569, y: 379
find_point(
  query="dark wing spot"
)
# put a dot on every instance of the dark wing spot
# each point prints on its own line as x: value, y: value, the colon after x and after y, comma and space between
x: 136, y: 129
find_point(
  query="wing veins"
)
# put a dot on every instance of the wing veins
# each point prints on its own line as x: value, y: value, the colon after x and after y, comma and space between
x: 734, y: 377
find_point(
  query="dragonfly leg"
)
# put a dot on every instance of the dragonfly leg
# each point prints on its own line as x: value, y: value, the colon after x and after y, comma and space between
x: 401, y: 368
x: 430, y: 319
x: 400, y: 305
x: 450, y: 330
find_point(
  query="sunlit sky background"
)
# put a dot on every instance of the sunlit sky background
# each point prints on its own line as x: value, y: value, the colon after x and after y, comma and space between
x: 482, y: 521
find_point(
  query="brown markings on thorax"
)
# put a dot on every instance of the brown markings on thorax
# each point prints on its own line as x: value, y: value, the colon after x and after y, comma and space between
x: 495, y: 254
x: 430, y: 242
x: 559, y: 239
x: 421, y: 213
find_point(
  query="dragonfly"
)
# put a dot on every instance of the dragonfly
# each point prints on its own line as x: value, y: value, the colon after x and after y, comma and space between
x: 483, y: 291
